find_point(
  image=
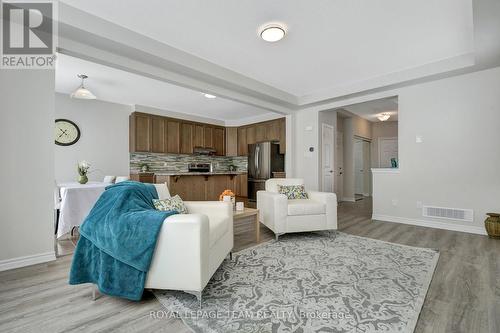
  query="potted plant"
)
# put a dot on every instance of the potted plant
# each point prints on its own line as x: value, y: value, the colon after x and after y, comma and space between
x: 144, y: 167
x: 83, y: 169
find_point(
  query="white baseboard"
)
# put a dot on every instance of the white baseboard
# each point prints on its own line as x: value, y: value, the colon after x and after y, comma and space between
x: 348, y: 199
x: 472, y: 229
x: 26, y: 261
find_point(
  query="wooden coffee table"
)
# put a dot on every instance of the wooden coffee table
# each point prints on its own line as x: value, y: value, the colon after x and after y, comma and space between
x: 247, y: 212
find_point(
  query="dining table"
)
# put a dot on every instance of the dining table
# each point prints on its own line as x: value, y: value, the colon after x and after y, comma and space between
x: 75, y: 202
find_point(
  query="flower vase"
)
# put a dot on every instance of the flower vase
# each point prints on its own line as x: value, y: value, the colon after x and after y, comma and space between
x: 82, y: 179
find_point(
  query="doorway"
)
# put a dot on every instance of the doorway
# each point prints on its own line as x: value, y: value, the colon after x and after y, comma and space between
x: 361, y: 168
x: 328, y: 146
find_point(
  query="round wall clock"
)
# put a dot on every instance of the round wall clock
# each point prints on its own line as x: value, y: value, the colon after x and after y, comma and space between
x: 66, y: 132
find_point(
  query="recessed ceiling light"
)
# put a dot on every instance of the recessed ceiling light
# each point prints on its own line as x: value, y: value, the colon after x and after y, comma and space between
x: 272, y: 33
x: 209, y: 96
x: 384, y: 116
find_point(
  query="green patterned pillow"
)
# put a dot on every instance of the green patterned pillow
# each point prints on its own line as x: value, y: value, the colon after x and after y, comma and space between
x: 173, y: 203
x: 293, y: 191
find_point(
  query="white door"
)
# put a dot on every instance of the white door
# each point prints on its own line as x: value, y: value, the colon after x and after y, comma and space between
x: 387, y: 149
x: 328, y: 145
x: 359, y: 168
x: 339, y: 180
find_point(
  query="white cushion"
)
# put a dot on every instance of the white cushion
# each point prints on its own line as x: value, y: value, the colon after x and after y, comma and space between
x: 305, y: 207
x: 272, y: 184
x: 162, y: 190
x: 217, y: 228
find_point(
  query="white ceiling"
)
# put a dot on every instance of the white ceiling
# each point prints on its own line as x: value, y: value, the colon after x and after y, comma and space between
x: 114, y: 85
x: 330, y: 43
x: 370, y: 110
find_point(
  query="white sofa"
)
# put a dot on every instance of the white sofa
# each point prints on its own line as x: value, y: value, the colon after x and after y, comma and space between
x: 281, y: 215
x: 191, y: 246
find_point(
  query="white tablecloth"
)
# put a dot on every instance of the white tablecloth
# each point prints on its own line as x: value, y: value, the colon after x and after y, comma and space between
x: 76, y: 202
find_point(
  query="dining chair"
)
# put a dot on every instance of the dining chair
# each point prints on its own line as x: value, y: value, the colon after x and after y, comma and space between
x: 109, y: 179
x: 120, y: 179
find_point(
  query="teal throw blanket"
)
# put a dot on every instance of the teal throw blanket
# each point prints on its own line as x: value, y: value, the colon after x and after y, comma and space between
x: 118, y: 240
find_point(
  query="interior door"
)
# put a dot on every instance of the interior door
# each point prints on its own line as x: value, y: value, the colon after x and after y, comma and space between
x: 327, y: 150
x: 339, y: 183
x: 388, y: 148
x: 359, y: 167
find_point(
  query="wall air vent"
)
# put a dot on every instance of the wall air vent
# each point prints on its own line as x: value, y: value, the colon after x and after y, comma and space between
x: 457, y: 214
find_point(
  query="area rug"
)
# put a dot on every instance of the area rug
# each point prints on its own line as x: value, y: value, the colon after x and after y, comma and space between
x: 312, y: 282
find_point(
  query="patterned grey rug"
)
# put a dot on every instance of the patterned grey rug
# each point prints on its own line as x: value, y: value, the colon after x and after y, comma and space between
x: 312, y: 282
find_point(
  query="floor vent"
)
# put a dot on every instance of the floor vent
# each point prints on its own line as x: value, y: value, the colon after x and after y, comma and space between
x: 448, y: 213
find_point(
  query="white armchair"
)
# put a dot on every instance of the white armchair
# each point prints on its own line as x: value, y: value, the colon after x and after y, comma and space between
x: 191, y: 246
x: 281, y: 215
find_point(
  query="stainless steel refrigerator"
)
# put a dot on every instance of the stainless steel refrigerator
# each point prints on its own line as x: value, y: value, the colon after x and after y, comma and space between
x: 263, y: 159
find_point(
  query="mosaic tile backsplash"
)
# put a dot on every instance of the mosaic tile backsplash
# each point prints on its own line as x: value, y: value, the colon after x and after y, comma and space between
x: 179, y: 163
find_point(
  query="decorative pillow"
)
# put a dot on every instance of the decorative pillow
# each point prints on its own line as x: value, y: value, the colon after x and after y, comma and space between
x: 293, y: 191
x: 173, y: 203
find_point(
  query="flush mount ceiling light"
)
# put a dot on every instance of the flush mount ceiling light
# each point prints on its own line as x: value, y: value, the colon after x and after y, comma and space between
x: 82, y: 92
x: 272, y: 33
x: 210, y: 96
x: 384, y: 116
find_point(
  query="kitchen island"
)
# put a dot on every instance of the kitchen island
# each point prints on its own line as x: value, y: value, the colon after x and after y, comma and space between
x: 198, y: 186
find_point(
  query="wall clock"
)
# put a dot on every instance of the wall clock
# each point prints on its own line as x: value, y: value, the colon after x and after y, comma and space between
x: 66, y: 132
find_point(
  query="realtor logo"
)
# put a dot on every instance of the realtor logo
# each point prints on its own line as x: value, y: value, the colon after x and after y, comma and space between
x: 28, y: 35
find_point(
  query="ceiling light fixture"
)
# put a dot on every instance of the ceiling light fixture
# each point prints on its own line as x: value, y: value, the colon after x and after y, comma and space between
x: 384, y: 116
x: 82, y: 92
x: 272, y: 33
x: 210, y: 96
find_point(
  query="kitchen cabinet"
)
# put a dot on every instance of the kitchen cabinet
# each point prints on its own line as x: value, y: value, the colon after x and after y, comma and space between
x: 250, y: 135
x: 143, y: 177
x: 158, y: 139
x: 208, y: 137
x: 189, y: 188
x: 242, y: 185
x: 218, y: 140
x: 260, y: 133
x: 187, y: 133
x: 242, y: 141
x: 273, y: 130
x: 173, y: 131
x: 198, y: 188
x: 231, y: 141
x: 140, y: 133
x: 198, y: 136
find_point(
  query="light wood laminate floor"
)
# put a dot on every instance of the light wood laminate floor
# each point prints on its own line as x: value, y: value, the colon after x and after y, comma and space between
x: 464, y: 295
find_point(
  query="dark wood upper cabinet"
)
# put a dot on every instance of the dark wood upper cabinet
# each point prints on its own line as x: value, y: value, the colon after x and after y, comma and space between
x: 231, y: 141
x: 250, y: 135
x: 140, y: 132
x: 187, y: 131
x: 173, y: 133
x: 219, y: 142
x: 198, y: 136
x: 157, y: 134
x: 158, y: 140
x: 273, y: 130
x: 242, y: 141
x: 208, y: 134
x: 260, y: 133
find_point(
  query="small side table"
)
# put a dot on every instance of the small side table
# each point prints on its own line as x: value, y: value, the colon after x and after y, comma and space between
x: 247, y: 212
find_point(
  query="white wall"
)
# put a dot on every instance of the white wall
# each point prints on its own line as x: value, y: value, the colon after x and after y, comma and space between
x: 305, y: 135
x: 26, y: 167
x: 104, y: 139
x: 457, y: 163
